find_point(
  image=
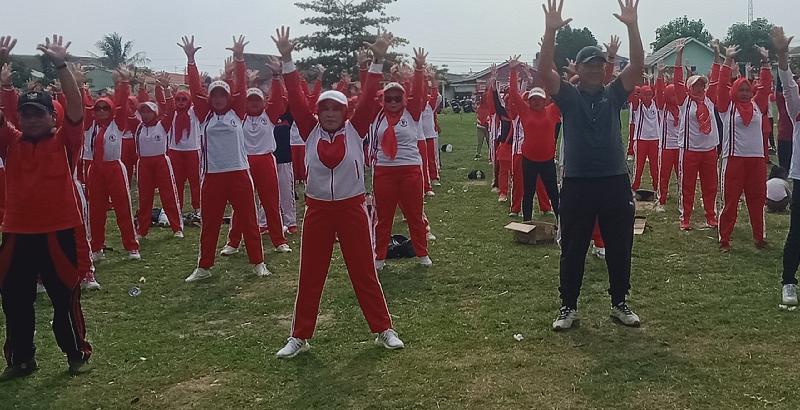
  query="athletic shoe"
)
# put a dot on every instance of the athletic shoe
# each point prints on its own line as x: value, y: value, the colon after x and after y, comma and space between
x: 292, y: 230
x: 40, y: 288
x: 139, y: 237
x: 19, y: 370
x: 388, y: 339
x: 513, y: 214
x: 725, y: 247
x: 263, y: 230
x: 502, y: 198
x: 477, y: 157
x: 76, y: 367
x: 712, y: 224
x: 134, y: 256
x: 624, y: 314
x: 228, y: 250
x: 495, y: 189
x: 685, y: 226
x: 430, y: 193
x: 178, y: 234
x: 283, y: 248
x: 761, y: 244
x: 425, y: 261
x: 566, y: 317
x: 660, y: 208
x: 261, y: 270
x: 436, y: 182
x: 294, y: 346
x: 790, y: 294
x: 198, y: 274
x: 380, y: 264
x: 599, y: 252
x: 90, y: 283
x: 98, y: 256
x: 431, y: 237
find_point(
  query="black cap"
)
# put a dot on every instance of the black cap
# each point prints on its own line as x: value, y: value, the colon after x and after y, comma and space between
x: 39, y: 99
x: 590, y: 53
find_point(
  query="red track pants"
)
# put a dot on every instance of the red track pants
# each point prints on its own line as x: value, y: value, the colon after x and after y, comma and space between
x: 264, y: 171
x: 518, y: 187
x: 646, y: 150
x: 748, y: 176
x: 151, y: 173
x: 2, y: 194
x: 110, y: 179
x: 426, y: 177
x: 348, y: 221
x: 129, y: 156
x: 393, y: 186
x: 433, y: 158
x: 299, y: 162
x: 219, y: 189
x: 667, y: 164
x: 186, y: 168
x: 691, y: 164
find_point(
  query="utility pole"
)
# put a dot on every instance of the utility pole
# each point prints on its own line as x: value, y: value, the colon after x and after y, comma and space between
x: 749, y: 11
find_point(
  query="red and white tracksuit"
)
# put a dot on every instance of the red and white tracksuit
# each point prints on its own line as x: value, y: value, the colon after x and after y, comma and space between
x: 154, y: 170
x: 298, y: 154
x: 743, y: 159
x: 185, y: 157
x: 260, y: 144
x: 335, y: 208
x: 648, y: 126
x: 398, y: 179
x: 517, y: 184
x: 428, y: 123
x: 668, y: 153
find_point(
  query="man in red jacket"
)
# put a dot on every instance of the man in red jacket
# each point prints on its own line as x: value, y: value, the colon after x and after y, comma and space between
x: 42, y: 233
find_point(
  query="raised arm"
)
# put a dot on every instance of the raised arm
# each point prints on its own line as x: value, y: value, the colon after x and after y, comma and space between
x: 677, y: 75
x: 724, y: 88
x: 56, y: 52
x: 363, y: 114
x: 199, y: 99
x: 418, y: 93
x: 546, y: 69
x: 8, y: 95
x: 298, y: 104
x: 611, y: 55
x: 122, y: 91
x: 661, y: 86
x: 764, y: 89
x: 790, y: 88
x: 513, y: 92
x: 629, y: 15
x: 239, y: 97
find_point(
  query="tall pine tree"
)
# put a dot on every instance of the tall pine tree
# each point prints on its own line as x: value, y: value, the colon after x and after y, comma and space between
x: 344, y: 26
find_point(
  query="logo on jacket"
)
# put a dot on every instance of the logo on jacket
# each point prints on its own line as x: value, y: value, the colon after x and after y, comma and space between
x: 112, y: 138
x: 403, y: 122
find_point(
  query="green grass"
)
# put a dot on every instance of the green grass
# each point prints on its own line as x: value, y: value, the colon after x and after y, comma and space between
x: 712, y: 334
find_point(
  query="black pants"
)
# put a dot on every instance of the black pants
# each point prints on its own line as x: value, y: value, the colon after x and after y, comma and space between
x: 51, y: 256
x: 609, y: 201
x: 530, y: 171
x: 791, y: 250
x: 772, y: 133
x: 785, y: 154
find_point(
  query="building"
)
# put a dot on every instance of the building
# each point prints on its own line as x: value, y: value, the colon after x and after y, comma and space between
x: 696, y: 55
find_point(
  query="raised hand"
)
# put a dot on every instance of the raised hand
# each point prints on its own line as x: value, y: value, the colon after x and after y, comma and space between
x: 55, y: 50
x: 344, y: 76
x: 552, y: 15
x: 381, y: 46
x: 5, y: 74
x: 79, y: 72
x: 284, y: 44
x: 188, y: 47
x: 661, y: 69
x: 779, y: 40
x: 763, y: 52
x: 363, y: 56
x: 122, y: 74
x: 320, y: 71
x: 513, y: 62
x: 238, y: 47
x: 612, y: 47
x: 629, y: 13
x: 274, y: 65
x: 6, y: 45
x: 731, y: 52
x: 571, y: 67
x: 32, y: 85
x: 251, y: 76
x: 163, y: 80
x: 419, y: 57
x: 228, y: 67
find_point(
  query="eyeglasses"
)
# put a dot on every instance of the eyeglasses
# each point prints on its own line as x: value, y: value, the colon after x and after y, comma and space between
x: 397, y: 99
x: 102, y: 108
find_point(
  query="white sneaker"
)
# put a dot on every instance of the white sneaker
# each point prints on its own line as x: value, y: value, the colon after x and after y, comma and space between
x: 261, y: 270
x: 388, y: 339
x: 98, y: 256
x: 513, y: 214
x: 198, y: 274
x: 502, y: 198
x: 178, y: 234
x: 625, y: 315
x: 294, y: 346
x: 436, y: 182
x: 139, y: 238
x: 380, y: 264
x: 431, y: 237
x: 425, y: 261
x: 283, y: 248
x: 790, y: 294
x: 599, y: 252
x: 660, y: 208
x: 566, y: 317
x: 134, y: 256
x: 430, y: 193
x: 228, y: 250
x: 495, y: 190
x: 90, y: 283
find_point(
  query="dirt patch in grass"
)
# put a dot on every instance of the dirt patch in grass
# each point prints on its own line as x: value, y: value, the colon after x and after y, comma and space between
x: 188, y: 393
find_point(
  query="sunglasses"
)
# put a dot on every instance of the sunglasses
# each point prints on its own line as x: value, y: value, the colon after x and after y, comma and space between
x: 102, y: 108
x: 397, y: 99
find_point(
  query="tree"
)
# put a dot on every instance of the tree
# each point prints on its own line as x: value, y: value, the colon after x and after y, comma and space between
x: 48, y: 71
x: 746, y: 36
x: 115, y: 52
x: 345, y: 26
x: 22, y: 73
x: 569, y: 41
x: 681, y: 27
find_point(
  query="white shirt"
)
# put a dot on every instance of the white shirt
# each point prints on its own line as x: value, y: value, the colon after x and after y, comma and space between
x: 669, y: 132
x: 112, y: 142
x: 427, y: 122
x: 223, y: 144
x: 191, y: 139
x: 777, y: 189
x: 346, y: 179
x: 259, y: 138
x: 739, y: 140
x: 690, y: 137
x: 791, y: 93
x: 648, y: 122
x: 407, y: 133
x: 519, y: 136
x: 151, y: 141
x: 294, y: 136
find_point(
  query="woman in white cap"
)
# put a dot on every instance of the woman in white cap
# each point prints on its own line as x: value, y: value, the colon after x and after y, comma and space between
x: 335, y: 200
x: 226, y: 177
x: 259, y: 124
x: 397, y: 162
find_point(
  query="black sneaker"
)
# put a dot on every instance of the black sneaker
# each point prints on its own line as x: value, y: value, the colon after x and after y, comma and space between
x: 76, y: 367
x: 566, y: 317
x: 19, y: 370
x: 625, y: 315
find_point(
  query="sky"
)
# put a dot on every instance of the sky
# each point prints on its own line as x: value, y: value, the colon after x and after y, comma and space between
x: 464, y: 34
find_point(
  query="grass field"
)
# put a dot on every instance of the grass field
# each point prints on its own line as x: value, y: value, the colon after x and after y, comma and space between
x: 712, y: 334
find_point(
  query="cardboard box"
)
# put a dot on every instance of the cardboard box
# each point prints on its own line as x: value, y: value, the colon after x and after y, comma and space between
x: 534, y: 233
x: 639, y: 225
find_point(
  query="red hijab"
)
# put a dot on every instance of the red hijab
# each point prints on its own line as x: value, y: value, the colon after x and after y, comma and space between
x: 182, y: 121
x: 745, y: 108
x: 702, y: 113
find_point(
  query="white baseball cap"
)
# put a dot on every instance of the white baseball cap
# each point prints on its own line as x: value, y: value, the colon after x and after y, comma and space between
x: 394, y: 86
x: 537, y: 92
x: 255, y: 91
x: 219, y: 84
x: 151, y: 105
x: 695, y: 78
x: 333, y: 95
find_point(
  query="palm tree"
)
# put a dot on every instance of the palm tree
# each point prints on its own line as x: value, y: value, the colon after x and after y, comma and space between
x: 115, y: 52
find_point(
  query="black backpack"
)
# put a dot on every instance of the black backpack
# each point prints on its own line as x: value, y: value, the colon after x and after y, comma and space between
x: 400, y: 247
